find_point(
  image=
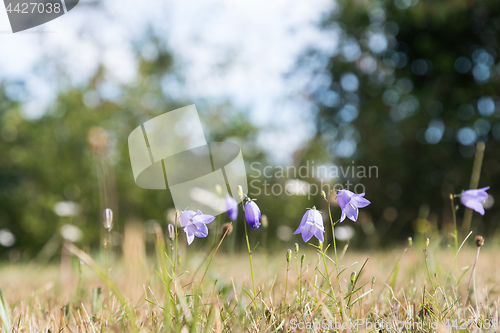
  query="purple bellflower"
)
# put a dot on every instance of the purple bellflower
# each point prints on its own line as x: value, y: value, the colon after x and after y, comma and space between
x: 311, y: 225
x: 232, y: 208
x: 194, y: 224
x: 474, y: 199
x: 252, y: 214
x: 349, y: 202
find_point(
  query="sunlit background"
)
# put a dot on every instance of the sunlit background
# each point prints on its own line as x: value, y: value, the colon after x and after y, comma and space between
x: 409, y: 87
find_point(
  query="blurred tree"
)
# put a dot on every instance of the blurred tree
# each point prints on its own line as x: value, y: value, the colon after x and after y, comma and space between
x: 77, y: 152
x: 410, y: 87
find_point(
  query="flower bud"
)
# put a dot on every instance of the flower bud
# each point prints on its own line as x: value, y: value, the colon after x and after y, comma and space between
x: 324, y: 195
x: 302, y: 259
x: 218, y: 189
x: 288, y: 255
x: 353, y: 276
x: 171, y: 232
x: 240, y: 192
x: 373, y: 279
x: 264, y: 221
x: 227, y: 228
x: 479, y: 241
x: 427, y: 241
x: 296, y: 248
x: 108, y: 219
x: 410, y: 241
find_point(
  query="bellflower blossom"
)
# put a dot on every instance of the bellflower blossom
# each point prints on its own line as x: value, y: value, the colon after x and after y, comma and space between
x: 252, y: 214
x: 474, y: 199
x: 349, y: 202
x: 232, y: 208
x: 194, y: 224
x: 311, y: 225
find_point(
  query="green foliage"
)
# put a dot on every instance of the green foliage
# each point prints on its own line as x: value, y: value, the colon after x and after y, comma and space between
x: 424, y: 71
x: 78, y: 152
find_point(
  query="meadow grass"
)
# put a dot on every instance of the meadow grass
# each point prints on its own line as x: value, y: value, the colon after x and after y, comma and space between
x: 422, y: 290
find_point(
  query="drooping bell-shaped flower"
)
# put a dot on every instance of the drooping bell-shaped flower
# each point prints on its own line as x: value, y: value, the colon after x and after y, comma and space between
x: 349, y: 203
x: 311, y: 225
x: 252, y: 214
x: 194, y: 224
x: 474, y: 199
x: 232, y: 208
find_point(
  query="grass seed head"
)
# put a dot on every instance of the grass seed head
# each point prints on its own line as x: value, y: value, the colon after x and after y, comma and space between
x: 240, y: 192
x: 108, y: 219
x: 479, y: 241
x: 171, y: 232
x: 227, y: 227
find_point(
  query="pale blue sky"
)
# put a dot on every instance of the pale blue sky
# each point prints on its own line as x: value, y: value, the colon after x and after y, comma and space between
x: 256, y: 42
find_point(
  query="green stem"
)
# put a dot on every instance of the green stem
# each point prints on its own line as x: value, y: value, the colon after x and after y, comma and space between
x: 300, y: 286
x: 286, y: 284
x: 454, y: 220
x: 106, y: 252
x: 454, y: 212
x: 333, y: 236
x: 428, y: 272
x: 251, y: 264
x: 327, y: 273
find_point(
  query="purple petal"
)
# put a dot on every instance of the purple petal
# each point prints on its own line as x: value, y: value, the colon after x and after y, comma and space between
x: 198, y: 229
x: 342, y: 217
x: 252, y: 214
x: 190, y: 238
x: 203, y: 218
x: 359, y: 201
x: 474, y: 205
x: 477, y: 195
x: 343, y: 198
x: 232, y: 208
x: 319, y: 235
x: 186, y: 216
x: 317, y: 218
x: 298, y: 231
x: 304, y: 219
x: 307, y: 235
x: 351, y: 212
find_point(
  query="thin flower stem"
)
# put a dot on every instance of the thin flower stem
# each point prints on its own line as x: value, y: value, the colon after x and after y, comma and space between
x: 106, y: 259
x: 333, y: 236
x: 213, y: 255
x: 249, y: 254
x: 175, y: 247
x: 471, y: 276
x: 335, y: 253
x: 286, y: 284
x: 251, y: 264
x: 106, y: 252
x: 453, y: 210
x: 327, y: 273
x: 300, y: 286
x: 428, y: 272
